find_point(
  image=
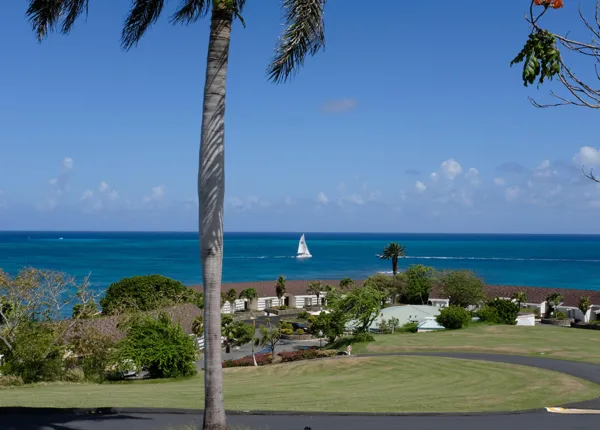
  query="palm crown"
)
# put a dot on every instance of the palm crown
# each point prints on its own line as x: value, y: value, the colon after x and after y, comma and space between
x: 392, y: 252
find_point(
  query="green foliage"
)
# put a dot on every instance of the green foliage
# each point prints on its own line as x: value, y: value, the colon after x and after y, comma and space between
x: 346, y: 284
x: 282, y: 307
x: 159, y: 346
x: 269, y: 336
x: 74, y: 374
x: 584, y: 304
x: 286, y: 324
x: 300, y: 331
x: 388, y: 326
x: 553, y: 300
x: 237, y: 333
x: 462, y: 287
x: 540, y: 57
x: 85, y: 310
x: 249, y: 294
x: 11, y: 381
x: 411, y: 327
x: 506, y: 310
x: 392, y: 252
x: 280, y: 287
x: 315, y: 288
x: 36, y: 355
x: 560, y: 315
x: 287, y: 331
x: 454, y: 317
x: 331, y: 324
x: 520, y: 297
x: 303, y: 315
x: 308, y: 354
x: 361, y: 305
x: 488, y: 314
x: 418, y: 283
x: 145, y: 293
x: 388, y: 286
x: 231, y: 297
x: 198, y: 326
x: 90, y: 351
x: 362, y: 337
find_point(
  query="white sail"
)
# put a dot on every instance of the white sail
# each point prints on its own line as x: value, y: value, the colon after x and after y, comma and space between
x: 303, y: 251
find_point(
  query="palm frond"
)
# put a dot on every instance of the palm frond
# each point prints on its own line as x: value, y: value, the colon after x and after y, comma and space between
x: 304, y: 35
x: 73, y: 10
x: 191, y: 11
x: 142, y: 14
x: 44, y: 15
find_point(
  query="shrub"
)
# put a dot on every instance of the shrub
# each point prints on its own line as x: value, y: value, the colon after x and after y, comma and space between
x: 462, y: 287
x: 75, y: 374
x: 363, y: 337
x: 91, y: 350
x: 11, y: 381
x: 560, y: 315
x: 84, y: 310
x: 312, y: 319
x: 507, y: 311
x: 300, y: 331
x: 282, y: 307
x: 411, y: 327
x: 308, y: 354
x: 454, y: 317
x: 261, y: 360
x: 287, y: 331
x: 159, y: 346
x: 303, y: 315
x: 286, y: 325
x: 145, y: 293
x: 488, y: 314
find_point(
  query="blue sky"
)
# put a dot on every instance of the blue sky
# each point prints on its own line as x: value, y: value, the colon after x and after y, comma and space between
x: 410, y: 121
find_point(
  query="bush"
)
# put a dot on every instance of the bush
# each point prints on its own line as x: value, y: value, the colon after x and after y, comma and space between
x: 462, y: 287
x: 507, y: 311
x: 308, y: 354
x: 10, y: 381
x: 159, y: 346
x: 286, y: 325
x: 282, y: 307
x: 145, y: 293
x: 300, y: 331
x: 303, y: 315
x: 488, y: 314
x: 261, y: 360
x: 287, y: 331
x: 454, y: 317
x: 411, y: 327
x: 560, y: 315
x: 363, y: 337
x: 75, y: 374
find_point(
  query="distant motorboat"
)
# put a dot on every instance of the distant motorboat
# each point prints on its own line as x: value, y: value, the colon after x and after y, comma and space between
x: 61, y: 238
x: 303, y: 251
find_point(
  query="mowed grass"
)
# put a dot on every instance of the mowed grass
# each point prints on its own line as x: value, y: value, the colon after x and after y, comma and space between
x: 368, y: 384
x: 549, y: 341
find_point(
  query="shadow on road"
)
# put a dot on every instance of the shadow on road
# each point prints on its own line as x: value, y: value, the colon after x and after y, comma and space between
x: 36, y: 421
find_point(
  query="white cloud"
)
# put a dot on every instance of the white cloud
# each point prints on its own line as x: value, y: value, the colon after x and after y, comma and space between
x: 355, y: 199
x: 512, y: 193
x: 157, y: 194
x: 544, y: 170
x: 420, y: 186
x: 68, y: 163
x: 322, y: 198
x: 499, y: 181
x: 451, y: 168
x: 113, y: 195
x: 87, y: 194
x: 103, y: 187
x: 587, y: 156
x: 472, y: 175
x: 434, y: 176
x: 107, y: 190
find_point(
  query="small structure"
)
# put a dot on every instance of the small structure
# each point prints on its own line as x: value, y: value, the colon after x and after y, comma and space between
x: 526, y: 319
x: 429, y: 324
x: 438, y: 303
x: 406, y: 314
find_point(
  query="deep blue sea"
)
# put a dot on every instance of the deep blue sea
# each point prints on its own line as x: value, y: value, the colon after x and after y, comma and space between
x: 533, y: 260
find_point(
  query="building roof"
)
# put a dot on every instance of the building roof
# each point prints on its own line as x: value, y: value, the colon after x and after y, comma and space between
x: 267, y: 288
x: 430, y: 323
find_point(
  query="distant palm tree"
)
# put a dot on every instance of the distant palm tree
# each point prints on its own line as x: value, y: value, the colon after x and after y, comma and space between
x: 249, y: 294
x: 520, y: 297
x: 346, y: 283
x: 280, y: 288
x: 303, y: 36
x: 554, y: 300
x: 315, y: 288
x: 231, y: 297
x: 392, y: 252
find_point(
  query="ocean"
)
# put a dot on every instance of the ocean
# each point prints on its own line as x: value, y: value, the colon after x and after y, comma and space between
x: 553, y: 261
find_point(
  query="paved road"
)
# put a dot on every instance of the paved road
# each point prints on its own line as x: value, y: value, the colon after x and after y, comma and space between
x: 163, y: 421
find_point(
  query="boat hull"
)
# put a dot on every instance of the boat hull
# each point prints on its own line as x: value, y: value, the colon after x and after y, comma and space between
x: 301, y: 256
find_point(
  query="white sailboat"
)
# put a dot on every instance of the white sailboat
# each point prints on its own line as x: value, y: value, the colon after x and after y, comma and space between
x: 303, y: 251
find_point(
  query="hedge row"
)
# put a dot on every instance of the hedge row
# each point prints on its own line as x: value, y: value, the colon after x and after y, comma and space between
x: 261, y: 360
x: 309, y: 354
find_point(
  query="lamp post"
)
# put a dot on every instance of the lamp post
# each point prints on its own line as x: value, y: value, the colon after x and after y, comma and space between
x: 320, y: 339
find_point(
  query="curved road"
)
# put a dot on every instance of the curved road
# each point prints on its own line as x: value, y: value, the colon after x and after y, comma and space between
x: 163, y: 420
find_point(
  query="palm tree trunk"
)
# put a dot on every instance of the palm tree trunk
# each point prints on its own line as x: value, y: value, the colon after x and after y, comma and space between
x: 394, y: 265
x: 211, y: 193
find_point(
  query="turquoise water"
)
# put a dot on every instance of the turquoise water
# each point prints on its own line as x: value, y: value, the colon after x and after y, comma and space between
x: 531, y: 260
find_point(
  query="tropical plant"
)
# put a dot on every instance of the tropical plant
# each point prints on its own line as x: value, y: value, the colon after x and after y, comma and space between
x: 332, y: 324
x: 144, y: 293
x: 390, y: 287
x: 453, y: 317
x: 269, y: 336
x: 303, y: 36
x: 392, y: 252
x: 280, y: 288
x: 346, y: 284
x: 418, y: 281
x: 249, y: 294
x: 520, y: 297
x: 231, y: 297
x: 584, y: 304
x: 198, y: 326
x: 506, y: 310
x: 159, y: 346
x: 462, y: 287
x: 236, y: 333
x: 85, y: 310
x: 315, y: 288
x: 553, y: 300
x: 361, y: 305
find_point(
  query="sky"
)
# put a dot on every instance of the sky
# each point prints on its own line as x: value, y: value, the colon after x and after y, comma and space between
x: 411, y: 120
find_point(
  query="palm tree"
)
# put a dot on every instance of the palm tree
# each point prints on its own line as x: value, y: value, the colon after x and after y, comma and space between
x: 249, y: 294
x: 315, y: 288
x: 280, y: 288
x: 392, y: 252
x: 303, y: 36
x: 520, y: 297
x: 346, y: 283
x: 231, y: 297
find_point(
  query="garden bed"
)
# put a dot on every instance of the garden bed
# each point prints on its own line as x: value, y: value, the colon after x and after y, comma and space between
x: 296, y: 336
x: 586, y: 326
x: 559, y: 323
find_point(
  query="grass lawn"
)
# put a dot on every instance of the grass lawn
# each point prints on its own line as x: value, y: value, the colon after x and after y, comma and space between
x: 555, y: 342
x: 368, y: 384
